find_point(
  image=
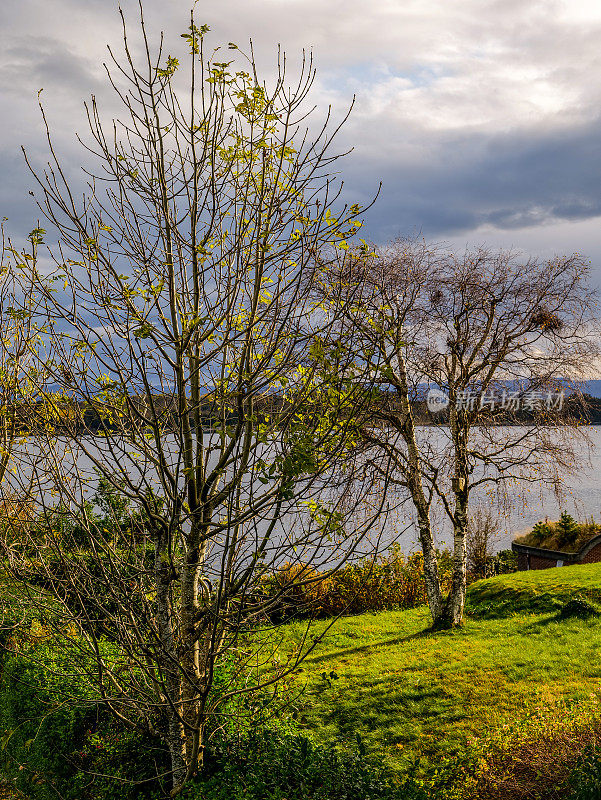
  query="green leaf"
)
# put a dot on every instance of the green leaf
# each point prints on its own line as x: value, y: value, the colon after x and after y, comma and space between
x: 143, y: 331
x: 35, y: 237
x: 168, y: 70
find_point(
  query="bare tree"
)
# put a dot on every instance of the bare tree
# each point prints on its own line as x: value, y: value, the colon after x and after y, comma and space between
x: 482, y: 530
x: 499, y: 338
x: 215, y: 397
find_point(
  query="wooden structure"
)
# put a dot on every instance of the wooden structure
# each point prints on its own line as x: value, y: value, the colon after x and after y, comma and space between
x: 530, y: 557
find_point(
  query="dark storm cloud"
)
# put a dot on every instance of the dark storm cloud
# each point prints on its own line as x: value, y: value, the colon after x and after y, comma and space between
x: 33, y: 62
x: 507, y: 182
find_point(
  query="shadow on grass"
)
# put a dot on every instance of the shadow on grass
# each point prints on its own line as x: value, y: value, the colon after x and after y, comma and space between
x: 508, y: 603
x: 558, y: 619
x: 427, y: 633
x: 400, y: 719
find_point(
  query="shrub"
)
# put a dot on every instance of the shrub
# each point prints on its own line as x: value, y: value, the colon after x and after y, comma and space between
x: 392, y: 581
x: 272, y: 766
x: 540, y: 532
x: 56, y: 741
x: 567, y: 528
x: 115, y: 763
x: 482, y: 529
x: 504, y: 562
x: 566, y: 534
x: 585, y: 780
x: 38, y: 725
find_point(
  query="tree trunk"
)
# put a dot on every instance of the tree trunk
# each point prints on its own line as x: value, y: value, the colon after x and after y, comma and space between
x: 431, y: 578
x: 451, y: 615
x: 190, y: 653
x: 176, y: 739
x: 415, y: 484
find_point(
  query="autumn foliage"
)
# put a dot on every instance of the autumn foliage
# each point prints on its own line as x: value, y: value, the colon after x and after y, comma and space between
x: 390, y: 581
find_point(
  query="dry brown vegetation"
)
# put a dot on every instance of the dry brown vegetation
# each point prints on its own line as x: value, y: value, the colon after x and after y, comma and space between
x: 563, y: 535
x: 540, y: 766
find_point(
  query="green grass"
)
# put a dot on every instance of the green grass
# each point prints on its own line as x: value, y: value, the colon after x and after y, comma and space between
x: 535, y: 590
x: 413, y: 694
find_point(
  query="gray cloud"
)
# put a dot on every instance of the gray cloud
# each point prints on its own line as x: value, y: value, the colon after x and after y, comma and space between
x: 505, y: 181
x: 33, y: 62
x: 479, y: 116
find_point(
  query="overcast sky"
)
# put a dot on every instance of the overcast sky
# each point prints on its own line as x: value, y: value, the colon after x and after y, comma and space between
x: 481, y: 118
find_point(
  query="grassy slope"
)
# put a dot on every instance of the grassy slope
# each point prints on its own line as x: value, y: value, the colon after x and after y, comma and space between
x: 535, y: 591
x: 412, y: 694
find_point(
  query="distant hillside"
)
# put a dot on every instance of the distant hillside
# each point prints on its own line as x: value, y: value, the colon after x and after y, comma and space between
x: 593, y: 388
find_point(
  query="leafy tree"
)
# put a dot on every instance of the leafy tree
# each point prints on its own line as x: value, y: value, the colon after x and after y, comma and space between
x: 541, y: 531
x: 567, y: 527
x: 21, y: 356
x: 180, y: 316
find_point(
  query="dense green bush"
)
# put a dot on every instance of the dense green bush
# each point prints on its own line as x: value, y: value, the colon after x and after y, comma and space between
x: 117, y: 764
x: 273, y: 766
x: 56, y: 742
x: 38, y: 724
x: 504, y: 562
x: 586, y: 777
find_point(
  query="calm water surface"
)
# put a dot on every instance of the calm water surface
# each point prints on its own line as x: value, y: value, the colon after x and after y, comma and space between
x: 529, y: 503
x: 524, y: 505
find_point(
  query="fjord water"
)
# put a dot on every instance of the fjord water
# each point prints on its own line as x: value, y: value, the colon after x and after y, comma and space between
x: 523, y: 504
x: 526, y: 504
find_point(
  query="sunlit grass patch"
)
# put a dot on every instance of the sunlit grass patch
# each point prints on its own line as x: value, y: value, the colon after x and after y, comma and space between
x: 413, y: 694
x: 534, y: 591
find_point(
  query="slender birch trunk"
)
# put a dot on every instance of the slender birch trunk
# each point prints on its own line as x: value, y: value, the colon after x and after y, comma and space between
x: 406, y: 426
x: 452, y: 613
